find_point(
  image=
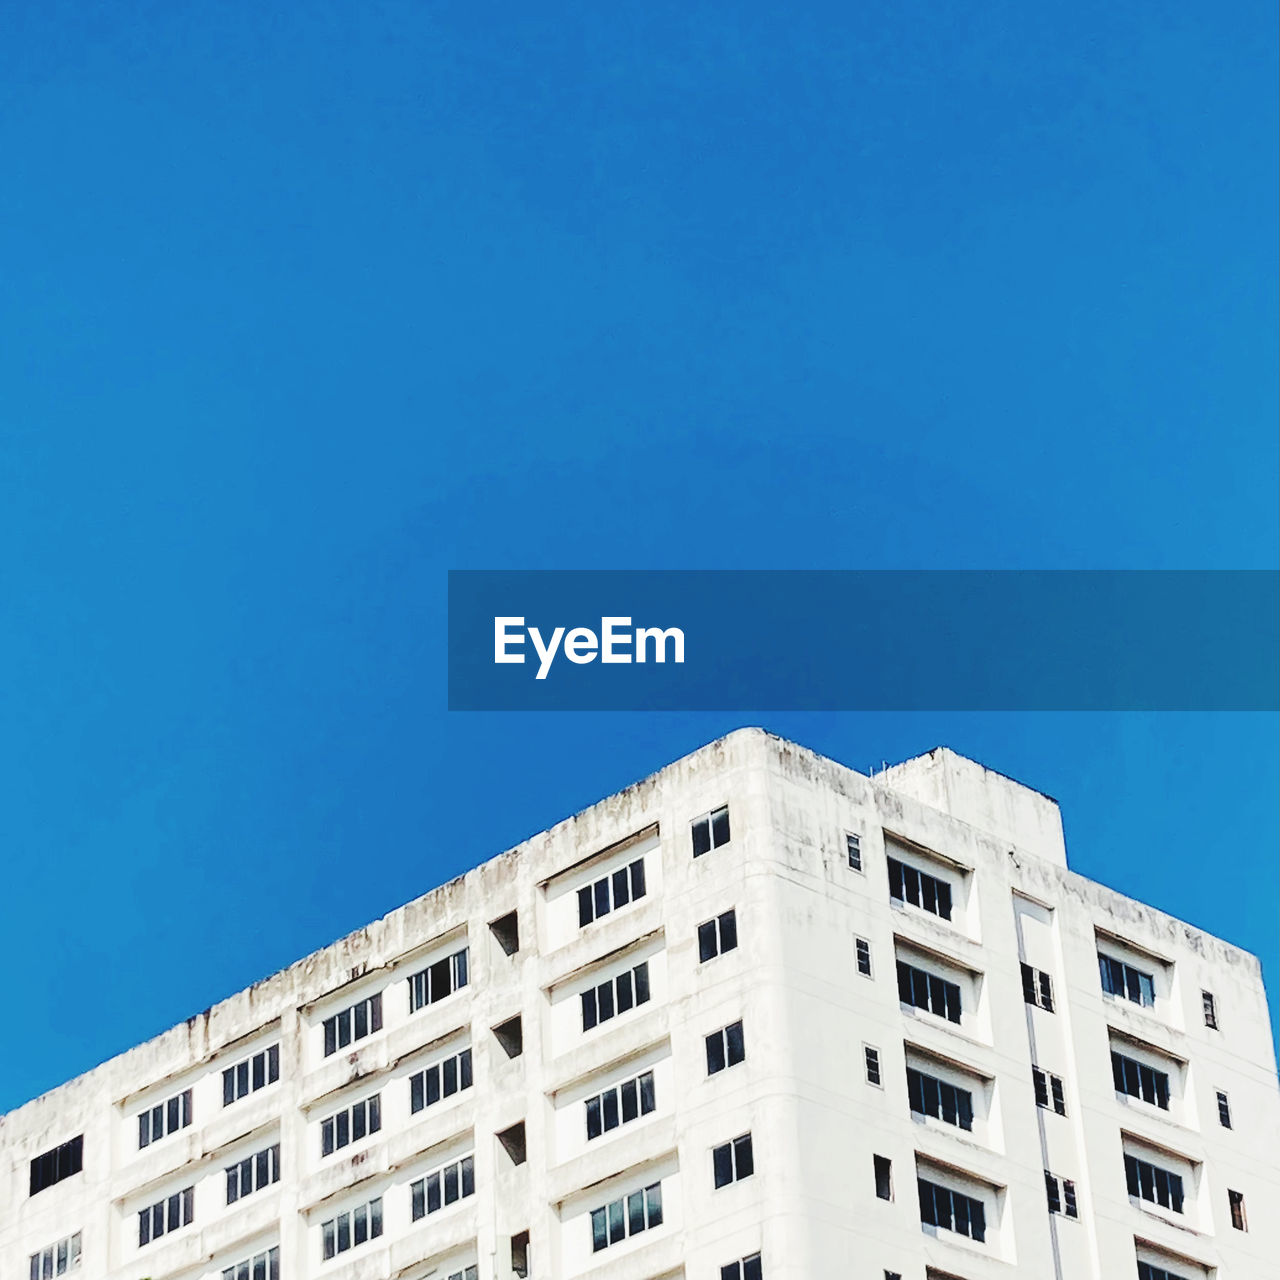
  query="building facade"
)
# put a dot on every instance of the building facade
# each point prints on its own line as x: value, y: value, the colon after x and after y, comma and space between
x: 756, y: 1016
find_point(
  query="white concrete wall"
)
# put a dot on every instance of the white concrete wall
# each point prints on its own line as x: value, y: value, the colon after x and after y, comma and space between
x: 807, y: 1014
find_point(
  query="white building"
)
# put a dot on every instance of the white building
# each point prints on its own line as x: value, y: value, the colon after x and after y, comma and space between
x: 880, y: 1012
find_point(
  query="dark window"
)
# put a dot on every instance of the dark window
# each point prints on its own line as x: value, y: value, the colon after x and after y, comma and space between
x: 909, y: 884
x: 1120, y: 979
x: 166, y: 1216
x: 746, y: 1269
x: 862, y: 949
x: 924, y: 990
x: 1224, y: 1110
x: 255, y: 1172
x: 440, y: 1080
x: 1049, y: 1091
x: 619, y: 1105
x: 1236, y: 1200
x: 871, y: 1060
x: 1061, y: 1195
x: 354, y: 1023
x: 611, y: 892
x: 628, y: 1216
x: 725, y: 1048
x: 929, y: 1096
x: 854, y: 846
x: 717, y: 936
x: 263, y: 1266
x: 1148, y: 1272
x: 952, y: 1211
x: 1210, y: 1009
x: 351, y: 1125
x: 351, y: 1228
x: 1150, y: 1182
x: 615, y: 996
x: 710, y: 832
x: 732, y: 1161
x: 1139, y: 1080
x: 445, y: 1186
x: 436, y: 981
x: 883, y: 1167
x: 53, y: 1166
x: 1037, y: 988
x: 56, y: 1259
x: 164, y: 1118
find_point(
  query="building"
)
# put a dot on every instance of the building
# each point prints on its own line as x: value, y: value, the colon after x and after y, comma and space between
x: 755, y: 1016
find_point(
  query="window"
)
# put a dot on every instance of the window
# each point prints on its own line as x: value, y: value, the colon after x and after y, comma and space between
x: 350, y: 1125
x: 53, y: 1166
x: 746, y: 1269
x: 251, y: 1075
x: 620, y: 1105
x: 1210, y: 1010
x: 908, y: 884
x: 163, y: 1118
x: 732, y: 1161
x: 1120, y: 979
x: 725, y: 1048
x: 166, y: 1215
x: 853, y: 844
x: 717, y: 936
x: 262, y: 1266
x: 253, y: 1173
x: 924, y: 990
x: 1139, y: 1080
x: 942, y: 1207
x: 710, y: 832
x: 444, y: 1187
x: 438, y: 980
x: 467, y: 1273
x: 616, y: 996
x: 57, y: 1259
x: 440, y: 1080
x: 871, y: 1061
x: 1037, y: 988
x: 1049, y: 1091
x: 349, y: 1229
x: 608, y: 894
x: 883, y: 1167
x: 1224, y: 1110
x: 1150, y: 1182
x: 628, y: 1216
x: 929, y: 1096
x: 1236, y: 1201
x: 1146, y: 1271
x: 1061, y: 1195
x: 862, y: 949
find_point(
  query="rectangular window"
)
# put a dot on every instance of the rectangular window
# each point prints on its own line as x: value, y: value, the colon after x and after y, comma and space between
x: 250, y: 1075
x: 615, y: 996
x: 440, y: 1080
x: 1049, y: 1091
x: 352, y: 1228
x: 166, y: 1216
x: 614, y: 1222
x: 744, y: 1269
x: 853, y: 845
x: 253, y: 1173
x: 262, y: 1266
x: 924, y: 990
x: 56, y: 1259
x: 883, y: 1168
x: 1210, y: 1010
x: 611, y: 892
x: 438, y: 980
x: 1224, y: 1110
x: 1139, y: 1080
x: 929, y: 1096
x: 1236, y: 1200
x: 164, y: 1118
x: 443, y: 1187
x: 620, y: 1104
x: 1146, y: 1271
x: 1037, y: 988
x: 951, y: 1210
x: 350, y: 1125
x: 717, y: 936
x: 929, y: 893
x: 871, y: 1061
x: 732, y: 1161
x: 710, y: 831
x: 467, y: 1273
x: 1061, y: 1195
x: 862, y: 950
x: 725, y: 1048
x: 1120, y: 979
x: 53, y: 1166
x: 1150, y: 1182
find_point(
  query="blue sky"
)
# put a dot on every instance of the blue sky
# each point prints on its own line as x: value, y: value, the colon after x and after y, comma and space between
x: 304, y: 305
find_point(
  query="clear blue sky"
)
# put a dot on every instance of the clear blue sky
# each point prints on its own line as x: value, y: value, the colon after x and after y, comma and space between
x: 304, y: 304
